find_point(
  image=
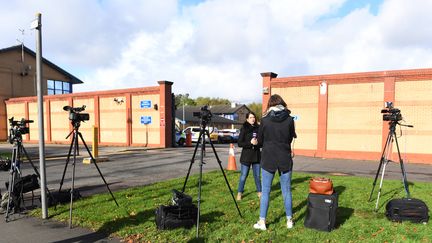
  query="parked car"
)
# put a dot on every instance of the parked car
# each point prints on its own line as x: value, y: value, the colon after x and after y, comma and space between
x: 195, y: 133
x: 180, y: 137
x: 229, y: 135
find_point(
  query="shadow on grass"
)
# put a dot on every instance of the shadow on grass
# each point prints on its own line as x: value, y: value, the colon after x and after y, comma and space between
x: 118, y: 224
x: 343, y: 214
x: 197, y: 240
x: 112, y: 227
x: 297, y: 208
x: 339, y: 189
x: 90, y: 237
x: 211, y: 217
x: 299, y: 180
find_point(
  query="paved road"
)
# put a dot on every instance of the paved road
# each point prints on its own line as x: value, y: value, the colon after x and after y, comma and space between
x: 128, y: 167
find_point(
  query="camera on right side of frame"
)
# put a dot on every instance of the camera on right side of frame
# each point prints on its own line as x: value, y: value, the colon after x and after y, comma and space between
x: 390, y: 113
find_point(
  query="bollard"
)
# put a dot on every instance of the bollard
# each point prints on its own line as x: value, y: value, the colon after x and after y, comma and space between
x: 95, y: 148
x: 188, y: 139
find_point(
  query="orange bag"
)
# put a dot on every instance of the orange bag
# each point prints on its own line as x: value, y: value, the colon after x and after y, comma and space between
x: 320, y: 185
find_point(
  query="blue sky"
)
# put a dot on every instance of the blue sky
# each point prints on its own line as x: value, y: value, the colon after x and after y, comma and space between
x: 218, y: 48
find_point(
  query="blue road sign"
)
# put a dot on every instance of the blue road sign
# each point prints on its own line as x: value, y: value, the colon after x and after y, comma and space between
x: 146, y: 120
x: 145, y: 104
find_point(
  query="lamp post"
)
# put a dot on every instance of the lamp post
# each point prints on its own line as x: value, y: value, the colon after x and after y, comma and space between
x: 37, y: 25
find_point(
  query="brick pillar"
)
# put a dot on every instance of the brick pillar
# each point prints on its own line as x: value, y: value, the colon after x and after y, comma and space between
x: 48, y: 138
x: 389, y: 95
x: 165, y: 112
x: 128, y: 119
x: 266, y: 91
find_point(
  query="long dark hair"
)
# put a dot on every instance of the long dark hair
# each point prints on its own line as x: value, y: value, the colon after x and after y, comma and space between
x: 247, y: 116
x: 276, y: 100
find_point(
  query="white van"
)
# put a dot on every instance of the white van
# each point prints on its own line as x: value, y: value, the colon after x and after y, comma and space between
x: 195, y: 133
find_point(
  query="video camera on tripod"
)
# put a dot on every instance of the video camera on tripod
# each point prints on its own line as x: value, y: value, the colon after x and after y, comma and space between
x: 75, y: 115
x: 204, y: 114
x: 18, y: 128
x: 390, y: 113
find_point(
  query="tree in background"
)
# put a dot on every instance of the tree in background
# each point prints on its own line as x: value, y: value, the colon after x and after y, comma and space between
x: 183, y: 99
x: 200, y: 101
x: 256, y: 108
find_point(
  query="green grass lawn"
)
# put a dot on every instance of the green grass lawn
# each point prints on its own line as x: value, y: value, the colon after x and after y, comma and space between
x: 220, y: 222
x: 5, y: 155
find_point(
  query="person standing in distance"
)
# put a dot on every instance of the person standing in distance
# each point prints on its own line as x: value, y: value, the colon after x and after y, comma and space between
x: 275, y: 134
x: 250, y: 155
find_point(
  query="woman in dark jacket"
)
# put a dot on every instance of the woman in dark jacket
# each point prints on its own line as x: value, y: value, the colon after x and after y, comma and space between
x: 275, y: 135
x: 250, y: 154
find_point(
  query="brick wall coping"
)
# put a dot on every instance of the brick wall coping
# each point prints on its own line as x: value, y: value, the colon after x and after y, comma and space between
x: 147, y: 90
x: 376, y: 74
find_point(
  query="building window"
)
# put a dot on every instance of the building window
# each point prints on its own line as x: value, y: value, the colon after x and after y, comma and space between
x: 59, y: 87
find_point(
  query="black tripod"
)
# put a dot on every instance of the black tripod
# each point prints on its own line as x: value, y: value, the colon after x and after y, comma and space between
x: 201, y: 140
x: 74, y: 144
x: 15, y: 171
x: 385, y: 159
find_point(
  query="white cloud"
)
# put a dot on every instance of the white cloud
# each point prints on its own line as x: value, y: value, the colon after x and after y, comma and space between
x: 219, y: 48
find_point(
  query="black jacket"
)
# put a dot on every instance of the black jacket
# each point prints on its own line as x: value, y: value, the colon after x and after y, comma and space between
x: 250, y: 154
x: 275, y: 135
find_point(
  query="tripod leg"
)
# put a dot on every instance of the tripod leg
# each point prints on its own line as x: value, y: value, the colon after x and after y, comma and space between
x: 381, y: 183
x: 191, y: 162
x: 31, y: 162
x: 75, y: 148
x: 200, y: 181
x: 11, y: 181
x: 97, y: 167
x: 382, y: 160
x: 405, y: 182
x: 67, y: 160
x: 223, y: 172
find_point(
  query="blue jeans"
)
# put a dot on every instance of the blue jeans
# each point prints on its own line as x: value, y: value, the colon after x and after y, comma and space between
x: 285, y: 182
x: 244, y: 174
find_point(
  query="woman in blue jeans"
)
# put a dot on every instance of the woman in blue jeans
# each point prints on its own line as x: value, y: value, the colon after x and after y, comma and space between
x: 250, y: 155
x: 275, y: 135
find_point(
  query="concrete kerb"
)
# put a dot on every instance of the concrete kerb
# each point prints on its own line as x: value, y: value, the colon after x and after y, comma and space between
x: 32, y: 150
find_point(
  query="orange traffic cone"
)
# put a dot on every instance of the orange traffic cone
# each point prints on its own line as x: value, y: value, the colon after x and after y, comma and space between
x: 231, y: 159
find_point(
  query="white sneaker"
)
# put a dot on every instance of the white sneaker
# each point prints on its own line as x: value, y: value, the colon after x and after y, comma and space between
x: 290, y: 223
x: 260, y: 225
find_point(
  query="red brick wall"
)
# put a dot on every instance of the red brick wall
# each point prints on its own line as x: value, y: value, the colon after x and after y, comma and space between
x: 116, y: 118
x: 345, y: 121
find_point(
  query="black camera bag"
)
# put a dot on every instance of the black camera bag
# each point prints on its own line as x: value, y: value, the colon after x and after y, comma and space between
x: 407, y: 209
x: 61, y: 197
x: 321, y: 211
x: 5, y: 164
x: 171, y: 217
x: 181, y: 199
x: 25, y: 184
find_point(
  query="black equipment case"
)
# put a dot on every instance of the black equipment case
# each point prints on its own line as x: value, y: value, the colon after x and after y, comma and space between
x: 171, y: 217
x: 407, y: 209
x: 321, y: 211
x: 183, y: 213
